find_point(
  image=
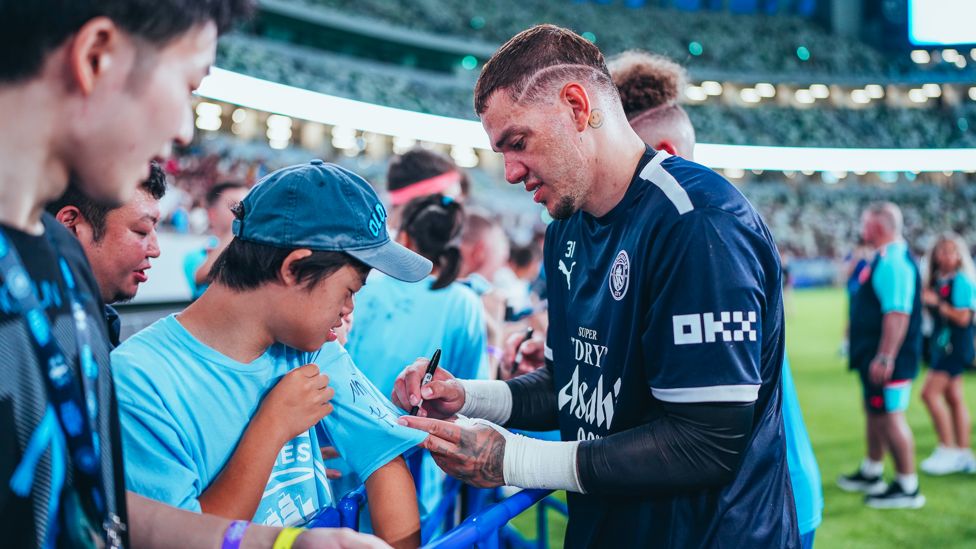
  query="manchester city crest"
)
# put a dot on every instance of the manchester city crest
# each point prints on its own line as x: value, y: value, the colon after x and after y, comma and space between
x: 620, y: 275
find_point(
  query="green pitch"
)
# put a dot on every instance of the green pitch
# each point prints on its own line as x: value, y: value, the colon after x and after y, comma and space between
x: 831, y: 402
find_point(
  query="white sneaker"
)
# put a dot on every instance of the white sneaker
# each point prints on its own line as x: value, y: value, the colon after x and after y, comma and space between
x: 944, y: 461
x: 967, y: 461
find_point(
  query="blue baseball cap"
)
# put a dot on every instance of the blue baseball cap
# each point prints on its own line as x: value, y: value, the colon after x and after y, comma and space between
x: 323, y: 207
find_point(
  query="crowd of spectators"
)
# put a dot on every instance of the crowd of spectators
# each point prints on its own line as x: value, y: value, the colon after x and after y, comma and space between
x: 726, y: 41
x: 447, y: 95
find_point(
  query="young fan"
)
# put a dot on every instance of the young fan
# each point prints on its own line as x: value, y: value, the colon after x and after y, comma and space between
x: 398, y: 322
x: 950, y: 295
x: 225, y: 406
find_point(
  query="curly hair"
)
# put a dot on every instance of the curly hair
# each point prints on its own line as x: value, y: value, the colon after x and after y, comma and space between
x: 646, y: 81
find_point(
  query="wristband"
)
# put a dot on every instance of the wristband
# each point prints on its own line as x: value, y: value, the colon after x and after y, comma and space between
x: 491, y: 400
x: 234, y: 534
x: 286, y: 538
x: 495, y: 352
x: 532, y: 463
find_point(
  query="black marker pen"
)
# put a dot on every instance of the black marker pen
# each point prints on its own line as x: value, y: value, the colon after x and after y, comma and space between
x: 429, y: 375
x: 518, y: 354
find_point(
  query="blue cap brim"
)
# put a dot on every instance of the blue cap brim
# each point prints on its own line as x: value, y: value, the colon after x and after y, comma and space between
x: 394, y: 260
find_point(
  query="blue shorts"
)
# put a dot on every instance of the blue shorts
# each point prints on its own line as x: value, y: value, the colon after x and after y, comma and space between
x: 948, y: 364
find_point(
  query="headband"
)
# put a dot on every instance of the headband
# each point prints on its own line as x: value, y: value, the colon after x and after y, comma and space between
x: 434, y: 185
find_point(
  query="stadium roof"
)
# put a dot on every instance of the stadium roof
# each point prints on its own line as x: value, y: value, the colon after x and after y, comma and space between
x: 246, y: 91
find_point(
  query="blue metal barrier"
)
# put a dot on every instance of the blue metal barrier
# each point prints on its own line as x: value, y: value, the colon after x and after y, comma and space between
x: 350, y: 506
x: 486, y: 523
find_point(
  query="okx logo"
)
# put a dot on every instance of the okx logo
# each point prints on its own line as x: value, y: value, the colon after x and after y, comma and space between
x: 695, y: 328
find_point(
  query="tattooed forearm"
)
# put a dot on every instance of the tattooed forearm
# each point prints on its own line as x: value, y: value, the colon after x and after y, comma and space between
x: 478, y: 460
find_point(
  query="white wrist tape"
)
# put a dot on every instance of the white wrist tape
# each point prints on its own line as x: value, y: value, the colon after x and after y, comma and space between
x: 491, y: 400
x: 531, y: 463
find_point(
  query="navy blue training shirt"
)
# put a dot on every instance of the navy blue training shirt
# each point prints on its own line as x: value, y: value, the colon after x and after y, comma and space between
x: 674, y: 296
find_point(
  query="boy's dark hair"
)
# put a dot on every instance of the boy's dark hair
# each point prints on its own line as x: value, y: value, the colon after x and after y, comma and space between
x: 213, y: 195
x: 646, y: 81
x: 30, y: 29
x: 434, y: 223
x: 419, y: 164
x: 523, y: 256
x: 539, y: 56
x: 95, y: 212
x: 246, y: 265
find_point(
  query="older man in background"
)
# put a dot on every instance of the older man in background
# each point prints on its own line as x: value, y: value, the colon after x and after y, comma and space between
x: 886, y: 342
x: 119, y: 242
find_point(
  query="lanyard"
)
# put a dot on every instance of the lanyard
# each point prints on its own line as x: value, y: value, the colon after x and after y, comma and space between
x: 76, y: 406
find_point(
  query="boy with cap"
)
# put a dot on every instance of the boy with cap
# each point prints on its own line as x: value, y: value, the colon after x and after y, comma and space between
x: 224, y: 406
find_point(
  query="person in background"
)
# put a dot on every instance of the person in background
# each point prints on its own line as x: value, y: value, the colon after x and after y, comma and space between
x: 91, y: 91
x: 397, y: 322
x: 484, y: 249
x: 649, y: 86
x: 419, y: 172
x: 197, y: 264
x: 515, y: 279
x: 886, y: 341
x: 949, y: 292
x: 119, y: 242
x: 259, y: 346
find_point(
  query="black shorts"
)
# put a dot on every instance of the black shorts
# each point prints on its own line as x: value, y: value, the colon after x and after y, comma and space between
x: 893, y: 397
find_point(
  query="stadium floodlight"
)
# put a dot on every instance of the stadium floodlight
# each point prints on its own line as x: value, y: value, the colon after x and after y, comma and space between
x: 750, y: 95
x: 695, y: 93
x: 861, y: 97
x: 922, y: 57
x: 972, y: 93
x: 766, y: 90
x: 711, y: 88
x: 875, y: 91
x: 918, y: 95
x: 805, y: 97
x: 343, y: 137
x: 820, y: 91
x: 239, y: 115
x: 734, y: 173
x: 961, y: 61
x: 208, y: 116
x: 409, y: 127
x: 950, y: 55
x: 932, y: 90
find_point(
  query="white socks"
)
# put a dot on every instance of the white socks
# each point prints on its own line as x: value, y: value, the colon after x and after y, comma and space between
x: 909, y: 483
x: 872, y: 468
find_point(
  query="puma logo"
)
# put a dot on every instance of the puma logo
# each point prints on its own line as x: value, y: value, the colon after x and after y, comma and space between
x: 567, y: 272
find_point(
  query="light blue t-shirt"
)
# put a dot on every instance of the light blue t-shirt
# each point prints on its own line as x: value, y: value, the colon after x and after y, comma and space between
x: 894, y: 279
x: 804, y: 471
x: 395, y: 322
x: 963, y: 292
x: 183, y: 408
x: 192, y: 262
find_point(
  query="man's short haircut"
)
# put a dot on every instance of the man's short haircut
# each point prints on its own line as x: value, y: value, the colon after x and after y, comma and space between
x: 419, y: 164
x: 96, y: 213
x: 646, y: 81
x: 30, y: 29
x: 476, y: 227
x: 537, y: 58
x: 889, y: 214
x: 213, y: 195
x: 523, y: 256
x: 246, y: 265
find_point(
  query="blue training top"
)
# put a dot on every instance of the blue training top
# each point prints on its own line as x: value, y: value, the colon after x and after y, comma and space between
x: 674, y: 296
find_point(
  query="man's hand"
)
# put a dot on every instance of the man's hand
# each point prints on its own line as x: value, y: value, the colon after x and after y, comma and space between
x: 474, y: 455
x: 337, y: 538
x: 297, y: 402
x: 442, y: 398
x: 930, y: 297
x: 533, y: 356
x: 880, y: 370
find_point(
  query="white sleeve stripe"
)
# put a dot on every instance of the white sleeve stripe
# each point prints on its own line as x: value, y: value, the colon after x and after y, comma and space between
x: 716, y: 393
x: 656, y: 174
x: 547, y: 351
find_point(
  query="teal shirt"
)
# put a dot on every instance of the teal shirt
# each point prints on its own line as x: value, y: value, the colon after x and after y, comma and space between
x: 894, y: 279
x: 192, y: 262
x: 963, y: 292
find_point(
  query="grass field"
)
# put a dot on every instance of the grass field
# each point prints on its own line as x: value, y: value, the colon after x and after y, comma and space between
x: 831, y: 402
